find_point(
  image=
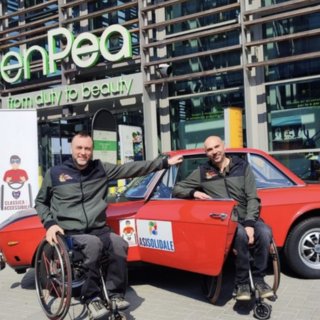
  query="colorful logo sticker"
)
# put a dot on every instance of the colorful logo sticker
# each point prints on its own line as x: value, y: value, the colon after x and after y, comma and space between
x: 153, y: 228
x: 155, y: 235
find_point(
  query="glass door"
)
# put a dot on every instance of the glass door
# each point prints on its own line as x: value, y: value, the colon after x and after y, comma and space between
x: 55, y: 140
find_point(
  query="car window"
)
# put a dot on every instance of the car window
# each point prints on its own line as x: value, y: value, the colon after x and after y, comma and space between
x: 176, y: 174
x: 267, y: 175
x: 190, y: 164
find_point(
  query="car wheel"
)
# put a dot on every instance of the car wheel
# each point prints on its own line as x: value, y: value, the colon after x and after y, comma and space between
x: 302, y: 248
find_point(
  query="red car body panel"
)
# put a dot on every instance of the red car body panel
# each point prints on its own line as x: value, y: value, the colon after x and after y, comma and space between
x: 280, y: 209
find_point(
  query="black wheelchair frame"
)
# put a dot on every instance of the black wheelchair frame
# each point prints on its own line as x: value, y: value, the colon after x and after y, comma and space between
x: 211, y: 285
x: 60, y: 274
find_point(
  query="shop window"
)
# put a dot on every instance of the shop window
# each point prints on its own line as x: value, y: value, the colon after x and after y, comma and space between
x: 294, y: 115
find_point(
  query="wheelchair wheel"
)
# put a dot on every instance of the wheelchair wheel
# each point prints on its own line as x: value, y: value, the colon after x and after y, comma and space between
x: 118, y: 316
x: 211, y: 287
x: 262, y: 311
x: 274, y: 256
x: 53, y: 278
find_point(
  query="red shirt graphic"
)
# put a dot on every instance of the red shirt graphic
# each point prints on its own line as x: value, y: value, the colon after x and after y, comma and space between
x: 15, y: 175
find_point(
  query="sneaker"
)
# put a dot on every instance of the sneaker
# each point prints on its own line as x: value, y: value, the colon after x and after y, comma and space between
x: 96, y: 308
x: 122, y: 304
x: 264, y: 290
x: 243, y: 292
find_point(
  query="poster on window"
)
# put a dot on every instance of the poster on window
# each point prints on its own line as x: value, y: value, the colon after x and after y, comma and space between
x: 105, y: 146
x: 19, y: 161
x: 131, y: 143
x: 287, y: 131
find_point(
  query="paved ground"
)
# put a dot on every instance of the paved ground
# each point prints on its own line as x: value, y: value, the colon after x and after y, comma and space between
x: 162, y: 293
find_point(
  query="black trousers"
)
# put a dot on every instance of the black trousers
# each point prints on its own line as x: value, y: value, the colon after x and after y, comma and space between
x: 262, y: 241
x: 92, y: 246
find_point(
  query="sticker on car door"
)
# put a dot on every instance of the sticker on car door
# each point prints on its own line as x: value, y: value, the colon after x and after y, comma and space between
x: 155, y: 235
x: 127, y: 232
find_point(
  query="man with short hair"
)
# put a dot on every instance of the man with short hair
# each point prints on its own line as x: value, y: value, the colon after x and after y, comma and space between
x: 71, y: 201
x: 232, y: 177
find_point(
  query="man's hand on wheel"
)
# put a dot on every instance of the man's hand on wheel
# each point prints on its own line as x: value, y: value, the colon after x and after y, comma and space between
x: 51, y: 235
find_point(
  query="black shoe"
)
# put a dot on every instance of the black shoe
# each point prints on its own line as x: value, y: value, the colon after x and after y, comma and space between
x: 122, y: 304
x: 243, y: 292
x: 97, y: 309
x: 264, y: 290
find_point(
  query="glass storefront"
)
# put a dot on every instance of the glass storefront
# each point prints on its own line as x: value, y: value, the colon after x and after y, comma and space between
x: 55, y: 136
x: 194, y: 119
x: 261, y: 56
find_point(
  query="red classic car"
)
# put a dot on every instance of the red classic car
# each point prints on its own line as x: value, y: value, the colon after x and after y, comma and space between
x: 193, y: 235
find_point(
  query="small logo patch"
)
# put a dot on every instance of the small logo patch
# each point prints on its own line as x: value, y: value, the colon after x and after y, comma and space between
x: 63, y: 177
x: 210, y: 174
x: 16, y: 194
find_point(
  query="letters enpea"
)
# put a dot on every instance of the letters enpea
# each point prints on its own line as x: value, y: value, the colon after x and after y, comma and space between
x: 94, y: 47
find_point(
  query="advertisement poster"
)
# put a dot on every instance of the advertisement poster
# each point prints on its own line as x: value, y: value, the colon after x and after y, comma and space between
x: 131, y: 143
x: 19, y: 161
x: 105, y: 146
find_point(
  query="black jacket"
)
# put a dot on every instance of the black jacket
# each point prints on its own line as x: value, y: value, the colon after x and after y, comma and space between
x: 75, y: 200
x: 238, y: 183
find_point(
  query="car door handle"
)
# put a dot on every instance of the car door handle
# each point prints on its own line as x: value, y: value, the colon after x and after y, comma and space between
x: 221, y: 216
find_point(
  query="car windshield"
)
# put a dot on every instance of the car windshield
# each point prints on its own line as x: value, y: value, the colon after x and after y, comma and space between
x: 139, y: 186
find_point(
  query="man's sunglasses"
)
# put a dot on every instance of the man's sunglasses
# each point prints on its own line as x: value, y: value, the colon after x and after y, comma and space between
x: 15, y: 161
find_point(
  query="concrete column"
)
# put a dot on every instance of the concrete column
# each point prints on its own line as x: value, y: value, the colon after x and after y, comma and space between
x: 148, y: 93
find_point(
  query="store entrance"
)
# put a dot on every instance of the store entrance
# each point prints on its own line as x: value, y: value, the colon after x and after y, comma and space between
x: 55, y: 139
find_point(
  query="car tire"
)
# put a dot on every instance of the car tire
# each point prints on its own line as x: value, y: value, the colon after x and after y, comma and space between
x: 302, y: 248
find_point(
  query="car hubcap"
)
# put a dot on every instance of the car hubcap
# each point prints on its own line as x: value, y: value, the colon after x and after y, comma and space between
x: 309, y: 248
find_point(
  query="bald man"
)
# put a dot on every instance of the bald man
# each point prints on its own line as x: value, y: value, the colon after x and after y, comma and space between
x: 232, y: 177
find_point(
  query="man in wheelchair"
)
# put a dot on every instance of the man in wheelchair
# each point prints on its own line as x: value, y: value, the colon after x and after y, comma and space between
x: 71, y: 201
x: 231, y: 177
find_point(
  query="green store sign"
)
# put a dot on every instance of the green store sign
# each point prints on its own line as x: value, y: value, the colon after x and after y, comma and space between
x: 120, y: 87
x: 93, y: 48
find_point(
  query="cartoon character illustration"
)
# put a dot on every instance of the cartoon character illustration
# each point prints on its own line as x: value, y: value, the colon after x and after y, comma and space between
x: 15, y: 178
x: 128, y: 231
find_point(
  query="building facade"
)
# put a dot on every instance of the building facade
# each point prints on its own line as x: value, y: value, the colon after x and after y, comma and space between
x: 169, y: 67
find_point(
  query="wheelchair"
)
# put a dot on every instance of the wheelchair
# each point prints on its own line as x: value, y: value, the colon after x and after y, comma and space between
x: 211, y: 285
x: 60, y: 274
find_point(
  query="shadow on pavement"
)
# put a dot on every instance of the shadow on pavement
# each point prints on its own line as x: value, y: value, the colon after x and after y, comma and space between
x: 179, y: 281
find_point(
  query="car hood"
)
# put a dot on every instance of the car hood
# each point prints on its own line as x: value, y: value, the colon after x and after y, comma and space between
x: 19, y: 215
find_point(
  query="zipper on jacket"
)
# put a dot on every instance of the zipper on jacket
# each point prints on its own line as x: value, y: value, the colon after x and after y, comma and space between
x: 225, y: 183
x: 82, y: 202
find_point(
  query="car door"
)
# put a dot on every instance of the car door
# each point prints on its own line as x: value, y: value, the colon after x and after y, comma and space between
x: 193, y: 235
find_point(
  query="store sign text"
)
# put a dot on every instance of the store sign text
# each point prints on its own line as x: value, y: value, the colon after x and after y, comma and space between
x: 86, y: 44
x: 71, y: 94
